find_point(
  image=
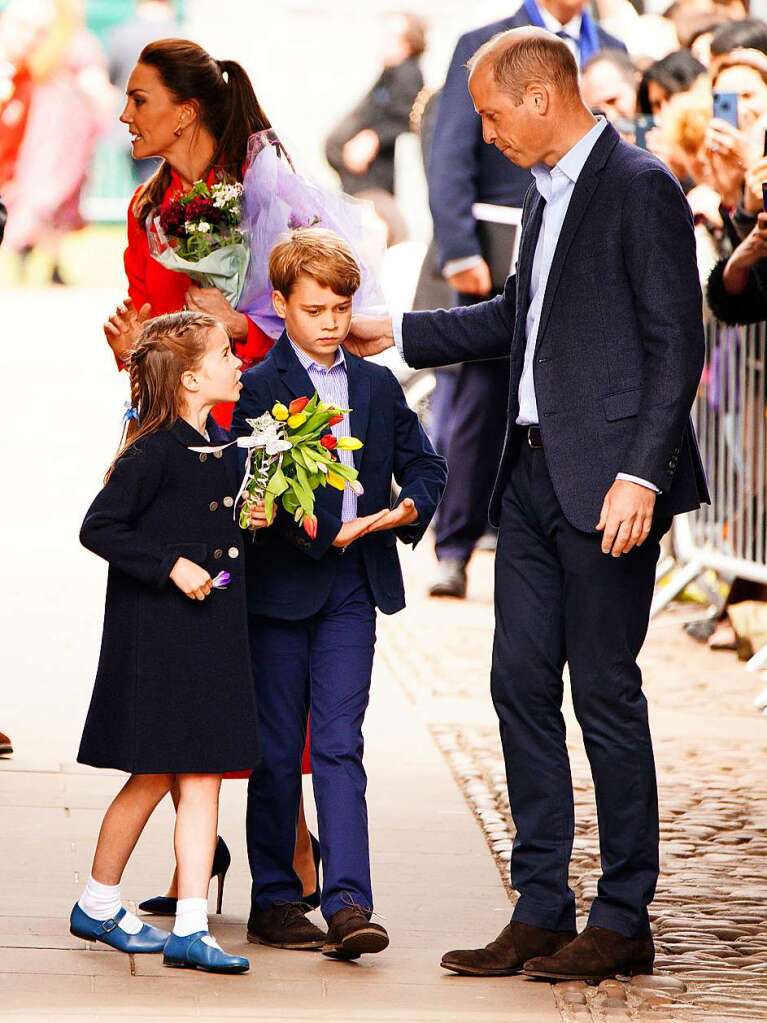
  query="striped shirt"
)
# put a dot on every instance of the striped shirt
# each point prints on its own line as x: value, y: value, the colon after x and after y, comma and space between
x: 332, y: 385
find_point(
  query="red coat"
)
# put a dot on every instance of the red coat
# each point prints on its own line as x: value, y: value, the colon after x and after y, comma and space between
x: 165, y: 290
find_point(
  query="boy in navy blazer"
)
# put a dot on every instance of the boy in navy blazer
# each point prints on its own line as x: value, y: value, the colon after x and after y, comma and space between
x: 312, y: 602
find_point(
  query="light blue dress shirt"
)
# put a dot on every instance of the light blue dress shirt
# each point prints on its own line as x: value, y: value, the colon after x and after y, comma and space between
x: 332, y: 385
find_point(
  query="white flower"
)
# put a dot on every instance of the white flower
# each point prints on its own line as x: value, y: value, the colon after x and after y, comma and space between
x: 203, y: 227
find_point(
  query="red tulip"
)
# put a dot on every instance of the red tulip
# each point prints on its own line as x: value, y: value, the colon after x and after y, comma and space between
x: 297, y: 405
x: 328, y: 442
x: 310, y: 526
x: 335, y: 420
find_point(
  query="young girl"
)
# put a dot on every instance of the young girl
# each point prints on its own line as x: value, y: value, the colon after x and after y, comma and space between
x: 174, y: 698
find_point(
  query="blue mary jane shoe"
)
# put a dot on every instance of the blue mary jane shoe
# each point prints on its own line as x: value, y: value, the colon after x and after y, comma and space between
x: 194, y: 954
x: 148, y: 939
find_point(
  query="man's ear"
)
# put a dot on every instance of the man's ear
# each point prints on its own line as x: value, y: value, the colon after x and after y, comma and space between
x: 537, y: 95
x: 280, y: 304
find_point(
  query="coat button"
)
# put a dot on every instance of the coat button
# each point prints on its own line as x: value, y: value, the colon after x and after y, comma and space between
x: 228, y: 502
x: 233, y: 552
x: 218, y: 553
x: 218, y: 454
x: 203, y: 457
x: 213, y: 505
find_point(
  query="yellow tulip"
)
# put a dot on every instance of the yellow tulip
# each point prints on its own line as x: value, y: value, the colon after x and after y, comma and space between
x: 335, y: 480
x: 349, y: 443
x: 297, y: 420
x: 280, y: 412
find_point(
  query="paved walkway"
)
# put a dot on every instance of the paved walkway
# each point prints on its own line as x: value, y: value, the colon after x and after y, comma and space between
x: 436, y: 883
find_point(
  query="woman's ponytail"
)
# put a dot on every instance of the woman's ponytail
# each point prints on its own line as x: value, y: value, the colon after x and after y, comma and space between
x: 245, y: 117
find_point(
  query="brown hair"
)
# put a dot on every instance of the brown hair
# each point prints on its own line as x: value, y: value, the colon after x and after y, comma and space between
x: 520, y: 57
x: 320, y: 254
x: 414, y: 32
x: 167, y: 347
x: 227, y: 104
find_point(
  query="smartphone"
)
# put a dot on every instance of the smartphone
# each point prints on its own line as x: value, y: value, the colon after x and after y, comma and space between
x: 643, y: 124
x: 764, y: 197
x: 726, y: 107
x: 764, y: 149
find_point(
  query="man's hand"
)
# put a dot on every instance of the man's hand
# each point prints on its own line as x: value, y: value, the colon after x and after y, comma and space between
x: 360, y: 151
x: 355, y: 528
x: 626, y: 517
x: 369, y: 335
x: 191, y: 579
x: 124, y: 326
x: 477, y: 280
x: 405, y: 514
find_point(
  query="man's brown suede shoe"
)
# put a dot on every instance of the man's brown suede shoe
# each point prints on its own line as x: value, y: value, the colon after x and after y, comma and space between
x: 284, y: 925
x: 596, y: 954
x: 351, y: 934
x: 516, y: 943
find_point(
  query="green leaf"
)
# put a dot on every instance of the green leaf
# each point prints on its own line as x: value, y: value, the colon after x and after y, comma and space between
x: 269, y: 505
x: 278, y: 484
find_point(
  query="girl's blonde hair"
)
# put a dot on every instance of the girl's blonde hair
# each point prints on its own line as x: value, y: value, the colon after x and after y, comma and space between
x: 167, y: 347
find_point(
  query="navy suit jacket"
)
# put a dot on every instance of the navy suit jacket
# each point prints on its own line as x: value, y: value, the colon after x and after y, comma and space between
x: 620, y: 343
x: 289, y: 575
x: 462, y: 168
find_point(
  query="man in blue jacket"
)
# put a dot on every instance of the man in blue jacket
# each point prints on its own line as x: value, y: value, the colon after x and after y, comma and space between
x: 602, y: 327
x: 462, y: 171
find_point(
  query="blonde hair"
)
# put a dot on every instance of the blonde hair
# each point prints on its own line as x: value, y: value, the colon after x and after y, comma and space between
x: 167, y: 347
x: 318, y: 253
x: 520, y: 57
x: 686, y: 117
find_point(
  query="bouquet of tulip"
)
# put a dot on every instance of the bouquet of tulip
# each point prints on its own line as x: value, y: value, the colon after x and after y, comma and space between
x: 199, y: 233
x: 292, y: 453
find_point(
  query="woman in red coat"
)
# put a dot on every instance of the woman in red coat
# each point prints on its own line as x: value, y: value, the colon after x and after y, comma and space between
x: 196, y: 114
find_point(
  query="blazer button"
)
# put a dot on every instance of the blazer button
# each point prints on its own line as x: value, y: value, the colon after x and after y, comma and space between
x: 213, y: 505
x: 203, y: 457
x: 218, y: 553
x: 218, y: 454
x: 228, y: 502
x: 233, y: 552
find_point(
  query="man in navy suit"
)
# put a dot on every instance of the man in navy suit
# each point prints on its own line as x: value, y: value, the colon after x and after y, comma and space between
x: 603, y: 330
x: 462, y: 171
x: 312, y: 601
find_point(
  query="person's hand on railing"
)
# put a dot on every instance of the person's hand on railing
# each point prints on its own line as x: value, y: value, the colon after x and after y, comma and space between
x: 748, y: 253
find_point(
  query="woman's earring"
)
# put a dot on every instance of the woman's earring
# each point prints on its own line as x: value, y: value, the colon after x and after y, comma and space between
x: 178, y: 130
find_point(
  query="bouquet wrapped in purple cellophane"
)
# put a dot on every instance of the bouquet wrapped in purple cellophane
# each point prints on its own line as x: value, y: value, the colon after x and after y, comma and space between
x: 277, y: 200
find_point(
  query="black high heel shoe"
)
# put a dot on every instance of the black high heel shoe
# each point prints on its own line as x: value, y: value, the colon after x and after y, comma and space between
x: 313, y: 900
x: 164, y: 905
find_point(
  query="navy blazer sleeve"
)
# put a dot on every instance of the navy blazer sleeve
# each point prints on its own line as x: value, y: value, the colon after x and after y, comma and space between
x: 255, y: 399
x: 418, y: 469
x: 440, y: 337
x: 109, y: 528
x: 659, y: 252
x: 453, y: 161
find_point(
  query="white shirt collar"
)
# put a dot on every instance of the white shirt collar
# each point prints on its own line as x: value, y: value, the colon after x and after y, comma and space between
x: 308, y: 362
x: 572, y: 162
x: 573, y: 27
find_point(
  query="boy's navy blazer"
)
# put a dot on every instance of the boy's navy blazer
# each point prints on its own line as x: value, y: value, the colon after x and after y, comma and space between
x: 289, y: 575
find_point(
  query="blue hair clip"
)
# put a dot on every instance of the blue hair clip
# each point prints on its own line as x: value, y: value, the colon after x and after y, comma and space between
x: 130, y: 413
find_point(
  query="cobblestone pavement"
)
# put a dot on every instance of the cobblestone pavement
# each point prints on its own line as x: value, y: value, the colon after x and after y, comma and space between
x: 710, y: 912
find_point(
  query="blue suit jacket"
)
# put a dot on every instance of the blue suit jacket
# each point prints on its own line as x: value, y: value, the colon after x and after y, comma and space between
x: 289, y: 575
x: 462, y: 168
x: 620, y: 343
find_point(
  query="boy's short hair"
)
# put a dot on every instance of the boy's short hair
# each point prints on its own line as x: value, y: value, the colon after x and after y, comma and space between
x: 320, y: 254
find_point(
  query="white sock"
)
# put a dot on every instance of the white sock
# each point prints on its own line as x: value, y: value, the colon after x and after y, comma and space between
x: 102, y: 902
x: 191, y: 916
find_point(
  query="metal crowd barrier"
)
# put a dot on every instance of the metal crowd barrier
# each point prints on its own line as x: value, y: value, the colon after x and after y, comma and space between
x: 729, y: 536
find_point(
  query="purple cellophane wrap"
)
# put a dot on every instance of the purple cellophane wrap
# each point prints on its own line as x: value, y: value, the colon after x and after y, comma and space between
x: 276, y: 201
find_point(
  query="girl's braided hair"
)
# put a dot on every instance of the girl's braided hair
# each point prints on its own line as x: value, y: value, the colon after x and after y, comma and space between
x: 167, y: 347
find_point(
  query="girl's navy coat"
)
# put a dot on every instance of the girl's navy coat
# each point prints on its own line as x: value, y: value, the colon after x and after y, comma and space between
x: 174, y: 691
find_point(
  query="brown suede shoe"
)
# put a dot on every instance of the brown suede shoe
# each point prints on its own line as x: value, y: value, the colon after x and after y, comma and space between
x: 284, y: 925
x: 516, y: 943
x: 596, y: 954
x: 351, y: 934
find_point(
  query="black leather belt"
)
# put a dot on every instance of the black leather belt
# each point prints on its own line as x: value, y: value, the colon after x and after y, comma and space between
x: 534, y: 437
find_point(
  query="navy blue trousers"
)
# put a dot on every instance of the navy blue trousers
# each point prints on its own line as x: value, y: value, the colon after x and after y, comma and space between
x: 559, y: 600
x: 320, y: 665
x: 472, y: 439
